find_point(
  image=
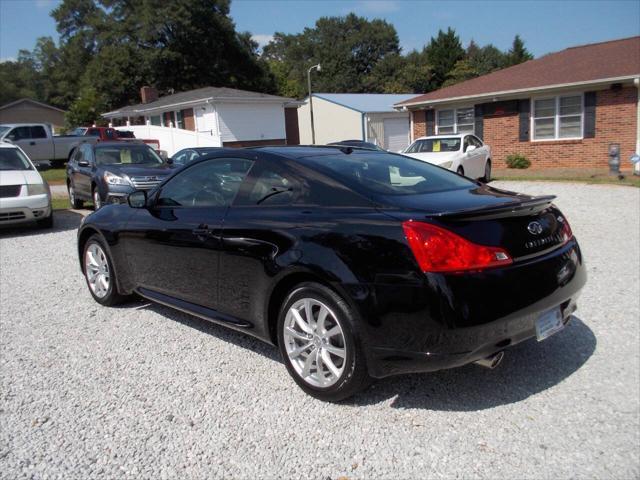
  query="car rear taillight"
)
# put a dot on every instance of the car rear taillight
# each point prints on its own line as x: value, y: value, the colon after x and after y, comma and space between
x: 565, y: 230
x: 439, y: 250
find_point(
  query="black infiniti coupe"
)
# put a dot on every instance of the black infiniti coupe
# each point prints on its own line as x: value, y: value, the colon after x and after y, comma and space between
x: 357, y: 264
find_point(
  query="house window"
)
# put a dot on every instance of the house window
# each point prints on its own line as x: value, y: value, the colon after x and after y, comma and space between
x: 460, y: 120
x: 557, y: 117
x: 180, y: 119
x: 155, y: 120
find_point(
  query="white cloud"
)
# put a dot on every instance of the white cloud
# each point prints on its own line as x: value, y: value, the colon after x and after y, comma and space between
x: 261, y: 39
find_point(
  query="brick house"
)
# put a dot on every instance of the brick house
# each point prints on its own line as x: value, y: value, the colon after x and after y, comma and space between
x: 561, y: 110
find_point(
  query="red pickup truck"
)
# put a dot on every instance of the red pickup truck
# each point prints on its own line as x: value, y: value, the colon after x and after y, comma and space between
x: 111, y: 134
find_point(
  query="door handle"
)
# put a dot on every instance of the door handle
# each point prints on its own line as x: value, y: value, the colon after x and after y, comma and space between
x: 32, y: 143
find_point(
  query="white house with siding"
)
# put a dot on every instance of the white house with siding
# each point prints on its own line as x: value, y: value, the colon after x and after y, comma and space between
x: 210, y: 116
x: 356, y: 116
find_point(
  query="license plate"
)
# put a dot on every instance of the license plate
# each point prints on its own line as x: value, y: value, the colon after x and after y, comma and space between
x: 548, y: 324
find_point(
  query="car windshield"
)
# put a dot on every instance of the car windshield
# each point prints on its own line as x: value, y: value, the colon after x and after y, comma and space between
x: 13, y: 159
x: 126, y: 155
x: 4, y: 130
x: 388, y: 174
x: 435, y: 145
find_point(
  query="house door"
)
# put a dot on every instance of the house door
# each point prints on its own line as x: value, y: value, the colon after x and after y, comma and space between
x: 396, y: 134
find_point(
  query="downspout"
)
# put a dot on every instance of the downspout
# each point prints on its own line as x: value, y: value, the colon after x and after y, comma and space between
x: 636, y: 82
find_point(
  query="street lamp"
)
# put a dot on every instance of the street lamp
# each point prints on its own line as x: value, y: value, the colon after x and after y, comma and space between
x: 313, y: 132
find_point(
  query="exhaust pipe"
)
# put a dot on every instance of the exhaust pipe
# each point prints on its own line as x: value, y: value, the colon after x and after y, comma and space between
x: 491, y: 361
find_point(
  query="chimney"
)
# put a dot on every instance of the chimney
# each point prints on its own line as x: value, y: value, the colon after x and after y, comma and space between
x: 148, y: 94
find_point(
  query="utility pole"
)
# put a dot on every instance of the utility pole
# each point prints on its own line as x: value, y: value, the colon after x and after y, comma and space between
x: 313, y: 131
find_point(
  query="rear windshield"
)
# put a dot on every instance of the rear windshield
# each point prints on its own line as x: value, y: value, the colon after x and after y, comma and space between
x: 435, y: 145
x: 126, y: 154
x: 13, y: 159
x: 387, y: 174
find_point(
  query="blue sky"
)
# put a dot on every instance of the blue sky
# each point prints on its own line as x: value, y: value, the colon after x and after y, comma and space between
x: 546, y: 26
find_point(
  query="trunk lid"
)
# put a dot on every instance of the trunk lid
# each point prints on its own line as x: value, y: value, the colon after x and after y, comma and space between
x: 524, y: 225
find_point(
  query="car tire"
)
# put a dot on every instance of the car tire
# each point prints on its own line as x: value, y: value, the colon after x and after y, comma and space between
x: 460, y: 170
x: 333, y: 366
x: 487, y: 172
x: 73, y: 199
x: 45, y: 222
x: 97, y: 201
x: 99, y: 274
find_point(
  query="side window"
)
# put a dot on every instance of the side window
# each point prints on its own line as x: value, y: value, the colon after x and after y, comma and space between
x: 38, y: 131
x: 87, y: 153
x: 273, y: 188
x: 19, y: 133
x: 467, y: 142
x: 476, y: 141
x: 209, y: 184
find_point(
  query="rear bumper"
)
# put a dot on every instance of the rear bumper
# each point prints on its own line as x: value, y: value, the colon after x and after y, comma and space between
x: 24, y: 209
x: 453, y: 320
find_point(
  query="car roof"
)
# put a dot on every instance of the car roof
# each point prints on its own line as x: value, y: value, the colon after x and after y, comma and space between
x: 302, y: 151
x: 452, y: 135
x: 118, y: 144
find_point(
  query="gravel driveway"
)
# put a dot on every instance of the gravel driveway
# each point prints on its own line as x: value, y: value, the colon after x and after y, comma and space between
x: 142, y: 391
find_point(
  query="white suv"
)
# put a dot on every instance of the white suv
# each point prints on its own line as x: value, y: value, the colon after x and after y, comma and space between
x: 24, y: 195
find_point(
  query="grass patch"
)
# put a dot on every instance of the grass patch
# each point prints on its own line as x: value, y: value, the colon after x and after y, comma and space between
x: 55, y: 176
x: 568, y: 175
x: 60, y: 203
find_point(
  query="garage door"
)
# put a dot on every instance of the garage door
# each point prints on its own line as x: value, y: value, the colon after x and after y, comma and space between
x: 396, y: 134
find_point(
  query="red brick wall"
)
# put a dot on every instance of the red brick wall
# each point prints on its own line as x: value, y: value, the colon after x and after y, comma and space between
x: 419, y: 123
x: 616, y: 118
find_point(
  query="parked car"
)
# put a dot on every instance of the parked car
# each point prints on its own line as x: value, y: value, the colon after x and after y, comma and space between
x: 358, y: 264
x: 108, y: 171
x: 462, y: 153
x: 41, y: 146
x: 188, y: 155
x: 357, y: 144
x: 24, y: 195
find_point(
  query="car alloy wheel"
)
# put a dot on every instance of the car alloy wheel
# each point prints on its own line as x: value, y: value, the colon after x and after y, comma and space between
x: 96, y: 269
x: 97, y: 202
x: 315, y: 342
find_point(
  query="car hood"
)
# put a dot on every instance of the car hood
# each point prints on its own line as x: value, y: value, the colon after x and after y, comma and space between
x: 478, y: 197
x: 19, y: 177
x: 162, y: 170
x: 436, y: 158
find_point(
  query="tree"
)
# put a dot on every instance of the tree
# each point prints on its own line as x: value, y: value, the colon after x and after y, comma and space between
x: 518, y: 53
x: 442, y: 53
x: 348, y: 48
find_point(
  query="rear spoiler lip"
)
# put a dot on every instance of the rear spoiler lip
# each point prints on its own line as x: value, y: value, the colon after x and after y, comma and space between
x: 497, y: 211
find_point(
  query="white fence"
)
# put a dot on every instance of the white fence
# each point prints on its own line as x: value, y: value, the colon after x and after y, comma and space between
x: 173, y: 139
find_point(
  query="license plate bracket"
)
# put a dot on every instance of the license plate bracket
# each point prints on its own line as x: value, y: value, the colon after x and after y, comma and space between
x: 549, y: 323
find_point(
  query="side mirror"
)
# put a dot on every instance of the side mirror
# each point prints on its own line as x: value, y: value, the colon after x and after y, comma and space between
x: 83, y: 163
x: 11, y: 136
x: 137, y: 199
x: 169, y: 161
x: 470, y: 148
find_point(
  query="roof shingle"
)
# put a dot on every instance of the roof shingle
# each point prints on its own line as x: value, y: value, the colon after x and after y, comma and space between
x: 597, y: 61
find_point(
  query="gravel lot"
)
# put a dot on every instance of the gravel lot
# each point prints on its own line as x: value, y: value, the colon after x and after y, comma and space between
x: 142, y: 391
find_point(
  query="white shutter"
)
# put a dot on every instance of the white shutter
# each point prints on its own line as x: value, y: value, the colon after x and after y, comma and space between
x: 396, y: 134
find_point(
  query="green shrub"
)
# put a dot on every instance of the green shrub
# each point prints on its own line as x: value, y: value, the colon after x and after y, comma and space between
x: 518, y: 161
